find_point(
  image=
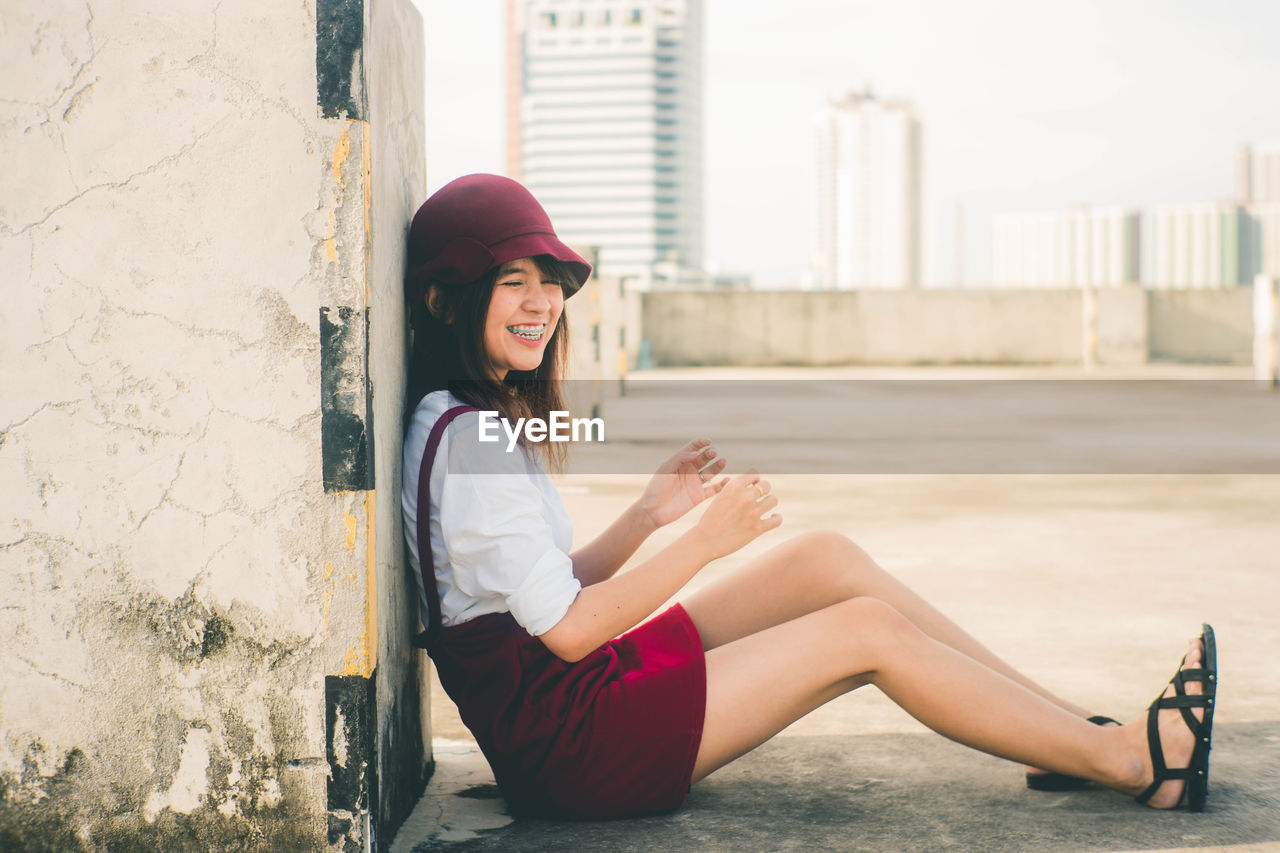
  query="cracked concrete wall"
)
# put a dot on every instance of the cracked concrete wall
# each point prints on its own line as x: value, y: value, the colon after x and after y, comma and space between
x: 188, y: 594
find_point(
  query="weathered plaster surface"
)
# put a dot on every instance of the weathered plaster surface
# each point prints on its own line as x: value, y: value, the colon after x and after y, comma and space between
x: 398, y: 186
x: 174, y: 213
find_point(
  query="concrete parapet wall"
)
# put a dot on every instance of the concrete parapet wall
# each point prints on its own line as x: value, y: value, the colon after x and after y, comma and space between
x: 188, y: 521
x: 1038, y: 326
x: 862, y: 327
x: 1122, y: 325
x: 1213, y: 326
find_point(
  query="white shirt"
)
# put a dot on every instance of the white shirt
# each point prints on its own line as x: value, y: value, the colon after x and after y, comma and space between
x: 500, y: 535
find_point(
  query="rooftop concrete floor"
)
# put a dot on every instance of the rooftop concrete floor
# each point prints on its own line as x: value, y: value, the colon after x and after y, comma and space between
x: 1090, y: 584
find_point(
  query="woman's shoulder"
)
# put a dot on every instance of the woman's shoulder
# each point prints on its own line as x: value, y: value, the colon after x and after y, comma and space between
x: 466, y: 449
x: 431, y: 408
x: 425, y: 415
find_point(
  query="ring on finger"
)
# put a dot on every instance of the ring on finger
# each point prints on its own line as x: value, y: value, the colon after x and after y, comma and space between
x: 758, y: 489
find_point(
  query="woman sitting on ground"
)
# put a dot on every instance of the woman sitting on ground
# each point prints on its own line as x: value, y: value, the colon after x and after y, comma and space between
x: 581, y: 713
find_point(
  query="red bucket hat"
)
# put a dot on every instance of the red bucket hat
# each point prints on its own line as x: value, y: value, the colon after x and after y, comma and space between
x: 475, y: 223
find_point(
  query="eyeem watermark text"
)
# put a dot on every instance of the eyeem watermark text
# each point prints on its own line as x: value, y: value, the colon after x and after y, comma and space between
x: 560, y: 427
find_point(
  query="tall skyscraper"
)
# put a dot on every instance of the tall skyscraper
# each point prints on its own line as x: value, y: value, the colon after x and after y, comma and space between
x: 868, y: 194
x: 1093, y: 246
x: 605, y: 128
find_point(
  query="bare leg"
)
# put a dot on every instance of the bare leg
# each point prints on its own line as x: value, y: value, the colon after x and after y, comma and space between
x: 784, y: 672
x: 816, y: 570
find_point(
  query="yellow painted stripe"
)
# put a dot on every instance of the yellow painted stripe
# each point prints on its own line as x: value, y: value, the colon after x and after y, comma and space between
x: 329, y: 584
x: 350, y: 520
x: 362, y: 656
x: 369, y: 638
x: 337, y: 161
x: 340, y: 155
x: 371, y: 584
x: 366, y: 150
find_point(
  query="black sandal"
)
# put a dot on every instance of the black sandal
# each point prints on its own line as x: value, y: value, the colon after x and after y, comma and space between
x: 1196, y: 773
x: 1050, y: 781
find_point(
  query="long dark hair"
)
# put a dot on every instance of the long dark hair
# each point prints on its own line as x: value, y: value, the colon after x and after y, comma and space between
x: 451, y: 355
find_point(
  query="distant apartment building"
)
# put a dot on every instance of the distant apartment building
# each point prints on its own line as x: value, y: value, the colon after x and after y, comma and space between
x: 1258, y: 190
x: 1200, y: 245
x: 1077, y: 247
x: 869, y: 194
x: 1206, y: 245
x: 1266, y: 229
x: 605, y: 128
x: 1258, y: 174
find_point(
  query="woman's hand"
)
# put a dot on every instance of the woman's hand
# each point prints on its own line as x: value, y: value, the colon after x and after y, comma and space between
x: 682, y: 482
x: 734, y: 518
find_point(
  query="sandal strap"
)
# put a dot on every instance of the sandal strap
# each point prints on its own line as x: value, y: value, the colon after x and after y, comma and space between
x: 1176, y: 773
x: 1189, y: 701
x: 1184, y: 701
x: 1153, y: 740
x: 1185, y: 774
x: 1189, y: 719
x: 1184, y: 704
x: 1201, y: 676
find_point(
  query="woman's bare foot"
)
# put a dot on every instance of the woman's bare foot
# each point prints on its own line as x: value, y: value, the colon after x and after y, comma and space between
x: 1176, y: 740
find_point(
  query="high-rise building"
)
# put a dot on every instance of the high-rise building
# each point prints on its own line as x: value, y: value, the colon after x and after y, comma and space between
x: 1200, y: 245
x: 1077, y: 247
x: 605, y: 128
x: 1266, y: 225
x: 869, y: 189
x: 1258, y: 189
x: 1258, y: 174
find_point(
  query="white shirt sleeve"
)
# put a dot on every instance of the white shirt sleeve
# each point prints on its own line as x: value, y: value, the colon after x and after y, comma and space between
x: 497, y: 538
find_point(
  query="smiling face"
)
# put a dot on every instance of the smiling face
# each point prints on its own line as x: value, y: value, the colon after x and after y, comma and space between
x: 523, y: 312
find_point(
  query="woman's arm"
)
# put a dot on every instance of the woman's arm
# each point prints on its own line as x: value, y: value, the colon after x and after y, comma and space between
x: 599, y: 559
x: 604, y: 610
x: 680, y: 483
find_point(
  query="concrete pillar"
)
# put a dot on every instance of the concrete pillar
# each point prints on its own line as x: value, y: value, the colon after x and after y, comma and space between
x: 1266, y: 330
x: 1121, y: 325
x: 582, y: 315
x: 1088, y: 326
x: 202, y: 224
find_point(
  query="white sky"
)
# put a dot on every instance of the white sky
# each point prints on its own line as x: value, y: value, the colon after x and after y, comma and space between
x: 1025, y: 106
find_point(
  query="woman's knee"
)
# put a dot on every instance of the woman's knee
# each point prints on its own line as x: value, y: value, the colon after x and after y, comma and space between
x: 875, y: 626
x: 838, y: 561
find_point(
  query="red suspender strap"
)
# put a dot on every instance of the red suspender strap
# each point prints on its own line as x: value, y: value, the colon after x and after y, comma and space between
x: 425, y: 561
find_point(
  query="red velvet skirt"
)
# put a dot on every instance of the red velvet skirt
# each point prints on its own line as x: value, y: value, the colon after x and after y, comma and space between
x: 613, y: 735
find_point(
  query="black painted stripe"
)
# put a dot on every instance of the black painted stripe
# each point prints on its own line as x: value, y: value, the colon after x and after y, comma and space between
x: 339, y: 58
x: 353, y: 783
x: 346, y: 418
